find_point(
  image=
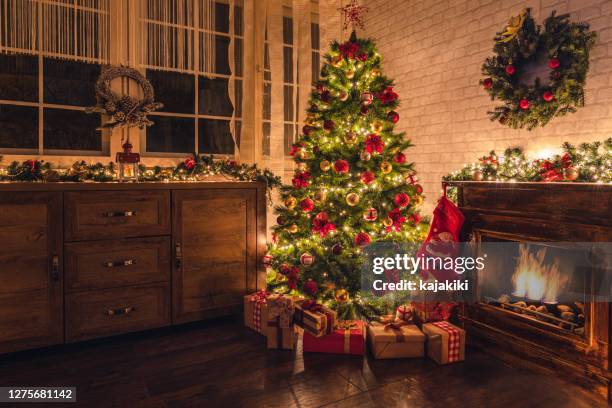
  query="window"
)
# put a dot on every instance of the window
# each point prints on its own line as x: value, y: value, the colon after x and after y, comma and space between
x: 43, y: 95
x: 316, y: 48
x: 267, y: 97
x: 199, y: 89
x: 290, y: 86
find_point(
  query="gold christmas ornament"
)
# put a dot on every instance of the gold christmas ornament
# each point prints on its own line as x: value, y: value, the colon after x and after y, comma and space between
x: 325, y: 165
x: 377, y: 126
x: 319, y: 196
x: 571, y: 174
x: 290, y: 202
x: 336, y: 61
x: 417, y: 200
x: 375, y: 72
x: 386, y: 167
x: 350, y: 138
x: 343, y: 96
x: 302, y: 166
x: 301, y: 154
x: 342, y: 296
x: 387, y: 222
x: 477, y: 175
x: 293, y: 228
x: 352, y: 199
x: 365, y: 156
x: 350, y: 74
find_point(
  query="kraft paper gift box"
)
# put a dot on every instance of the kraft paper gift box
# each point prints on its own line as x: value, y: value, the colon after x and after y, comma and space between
x: 445, y: 342
x: 256, y: 311
x: 281, y: 332
x: 314, y: 318
x: 395, y: 339
x: 347, y: 338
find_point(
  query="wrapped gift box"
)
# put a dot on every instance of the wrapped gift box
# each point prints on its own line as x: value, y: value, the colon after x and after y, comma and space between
x: 256, y: 311
x: 280, y: 329
x: 315, y: 319
x: 432, y: 311
x: 347, y: 338
x: 396, y: 340
x: 445, y: 342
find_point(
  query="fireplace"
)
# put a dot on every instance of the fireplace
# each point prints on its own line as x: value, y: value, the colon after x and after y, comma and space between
x: 542, y: 301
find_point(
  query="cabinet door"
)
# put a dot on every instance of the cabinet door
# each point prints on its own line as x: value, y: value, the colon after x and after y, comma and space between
x: 214, y: 244
x: 31, y: 306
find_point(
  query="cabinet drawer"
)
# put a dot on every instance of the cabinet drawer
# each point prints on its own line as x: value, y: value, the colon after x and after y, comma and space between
x: 116, y: 214
x: 108, y: 264
x: 114, y: 311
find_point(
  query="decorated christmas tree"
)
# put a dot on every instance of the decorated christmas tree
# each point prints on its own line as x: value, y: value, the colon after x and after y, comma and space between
x: 353, y: 184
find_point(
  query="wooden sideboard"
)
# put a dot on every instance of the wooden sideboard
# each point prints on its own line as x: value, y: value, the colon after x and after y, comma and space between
x: 86, y: 260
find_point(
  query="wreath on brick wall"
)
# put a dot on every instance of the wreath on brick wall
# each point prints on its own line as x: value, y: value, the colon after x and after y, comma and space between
x: 124, y: 110
x: 524, y: 51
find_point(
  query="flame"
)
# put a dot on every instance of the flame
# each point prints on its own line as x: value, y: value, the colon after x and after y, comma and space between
x: 533, y: 279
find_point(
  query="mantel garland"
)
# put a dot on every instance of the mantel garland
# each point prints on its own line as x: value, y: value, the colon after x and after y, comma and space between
x: 589, y: 162
x: 560, y: 44
x: 196, y: 168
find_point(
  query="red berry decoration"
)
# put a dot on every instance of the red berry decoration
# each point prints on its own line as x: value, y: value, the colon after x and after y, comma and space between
x: 487, y: 83
x: 307, y: 205
x: 548, y: 96
x: 362, y: 239
x: 524, y: 104
x: 510, y: 69
x: 399, y: 158
x: 310, y: 287
x: 341, y: 166
x: 401, y: 200
x: 393, y: 116
x: 554, y: 63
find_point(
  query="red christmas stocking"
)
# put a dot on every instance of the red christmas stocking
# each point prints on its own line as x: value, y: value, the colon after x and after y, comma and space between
x: 442, y: 240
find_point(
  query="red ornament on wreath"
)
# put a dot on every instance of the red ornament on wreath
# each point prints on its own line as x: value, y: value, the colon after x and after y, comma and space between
x: 487, y: 83
x: 510, y: 69
x: 524, y: 104
x: 554, y: 63
x: 548, y: 96
x: 306, y: 259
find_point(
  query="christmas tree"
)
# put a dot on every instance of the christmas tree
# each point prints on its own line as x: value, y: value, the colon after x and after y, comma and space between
x: 353, y: 185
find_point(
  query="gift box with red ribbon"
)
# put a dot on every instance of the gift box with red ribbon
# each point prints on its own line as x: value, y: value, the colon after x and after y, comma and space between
x: 405, y: 313
x: 281, y: 331
x: 395, y: 338
x: 314, y: 318
x: 445, y: 342
x: 256, y: 311
x: 347, y: 338
x: 432, y: 311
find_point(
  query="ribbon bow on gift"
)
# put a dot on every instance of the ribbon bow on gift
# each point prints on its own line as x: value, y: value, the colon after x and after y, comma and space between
x: 281, y: 307
x: 394, y: 324
x: 260, y: 296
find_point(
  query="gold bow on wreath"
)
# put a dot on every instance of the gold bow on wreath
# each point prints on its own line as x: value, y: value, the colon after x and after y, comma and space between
x: 514, y: 25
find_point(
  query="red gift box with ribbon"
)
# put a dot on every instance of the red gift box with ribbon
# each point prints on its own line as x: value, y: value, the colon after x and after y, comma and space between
x: 445, y: 342
x: 347, y: 338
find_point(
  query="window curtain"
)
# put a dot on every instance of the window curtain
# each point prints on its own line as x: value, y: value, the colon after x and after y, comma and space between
x: 69, y: 29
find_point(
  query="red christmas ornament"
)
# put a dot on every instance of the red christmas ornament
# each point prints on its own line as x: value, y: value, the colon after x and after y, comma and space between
x: 307, y: 205
x: 374, y: 144
x: 321, y: 224
x: 337, y: 249
x: 364, y: 110
x: 371, y: 214
x: 510, y: 69
x: 362, y: 239
x: 367, y: 98
x: 548, y: 96
x: 285, y: 269
x: 487, y: 83
x: 280, y: 220
x: 341, y: 166
x: 524, y: 104
x: 554, y: 63
x: 328, y: 124
x: 310, y: 287
x: 401, y: 200
x: 326, y: 96
x: 267, y: 260
x: 419, y: 189
x: 367, y: 177
x: 306, y: 259
x: 320, y: 88
x: 412, y: 179
x: 399, y: 158
x: 415, y: 218
x: 301, y: 179
x: 307, y: 129
x: 190, y: 163
x: 393, y: 116
x: 387, y: 96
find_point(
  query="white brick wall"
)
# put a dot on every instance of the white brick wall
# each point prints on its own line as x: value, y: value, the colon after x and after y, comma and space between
x: 434, y: 49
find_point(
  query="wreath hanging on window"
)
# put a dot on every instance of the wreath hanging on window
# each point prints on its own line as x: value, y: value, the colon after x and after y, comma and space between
x: 124, y: 110
x: 537, y: 72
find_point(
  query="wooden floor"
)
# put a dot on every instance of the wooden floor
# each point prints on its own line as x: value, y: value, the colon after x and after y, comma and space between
x: 221, y: 364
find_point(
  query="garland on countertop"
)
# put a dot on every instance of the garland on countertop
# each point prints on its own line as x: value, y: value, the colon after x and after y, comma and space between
x: 194, y: 168
x: 560, y: 46
x: 589, y: 162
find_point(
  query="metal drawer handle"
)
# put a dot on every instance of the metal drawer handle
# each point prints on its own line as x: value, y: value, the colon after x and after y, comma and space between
x: 120, y: 311
x: 55, y: 267
x: 178, y: 256
x: 112, y: 214
x: 115, y: 264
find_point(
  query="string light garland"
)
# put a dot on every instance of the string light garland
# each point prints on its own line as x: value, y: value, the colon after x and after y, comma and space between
x: 196, y: 168
x: 587, y: 163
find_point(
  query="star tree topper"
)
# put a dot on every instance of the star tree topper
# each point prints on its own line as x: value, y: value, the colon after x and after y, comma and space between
x: 353, y: 14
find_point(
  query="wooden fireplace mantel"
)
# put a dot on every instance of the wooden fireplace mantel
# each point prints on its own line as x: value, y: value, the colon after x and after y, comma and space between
x: 541, y: 212
x: 87, y: 260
